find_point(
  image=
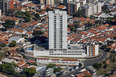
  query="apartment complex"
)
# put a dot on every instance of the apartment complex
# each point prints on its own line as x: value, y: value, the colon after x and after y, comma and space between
x: 92, y: 49
x: 57, y: 30
x: 74, y: 5
x: 47, y: 2
x: 5, y: 5
x: 91, y: 8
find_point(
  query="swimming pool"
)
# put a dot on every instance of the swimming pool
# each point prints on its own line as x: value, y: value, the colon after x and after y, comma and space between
x: 29, y: 48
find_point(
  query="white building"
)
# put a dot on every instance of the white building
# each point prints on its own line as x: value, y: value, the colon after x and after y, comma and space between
x: 93, y: 49
x: 17, y: 39
x: 47, y: 2
x: 91, y: 9
x: 58, y: 61
x: 74, y: 5
x: 0, y: 13
x: 57, y: 30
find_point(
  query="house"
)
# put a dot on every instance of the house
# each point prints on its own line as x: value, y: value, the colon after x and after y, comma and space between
x: 18, y: 39
x: 6, y: 60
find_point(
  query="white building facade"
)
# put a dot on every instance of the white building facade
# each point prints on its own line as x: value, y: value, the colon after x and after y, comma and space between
x: 92, y: 9
x: 57, y: 30
x: 93, y: 49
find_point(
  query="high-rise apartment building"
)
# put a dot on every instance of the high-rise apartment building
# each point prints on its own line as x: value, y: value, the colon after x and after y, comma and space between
x: 57, y: 30
x: 92, y: 49
x: 5, y: 5
x: 47, y: 2
x: 74, y: 5
x: 91, y: 9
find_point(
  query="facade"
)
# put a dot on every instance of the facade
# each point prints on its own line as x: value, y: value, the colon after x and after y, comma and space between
x: 0, y: 13
x: 5, y: 5
x: 57, y: 30
x: 59, y: 61
x: 91, y: 9
x: 47, y: 2
x: 93, y: 49
x: 74, y: 5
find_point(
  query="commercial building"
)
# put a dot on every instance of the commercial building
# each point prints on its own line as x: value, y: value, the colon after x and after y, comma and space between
x: 93, y: 49
x: 59, y: 61
x: 57, y: 30
x: 5, y: 5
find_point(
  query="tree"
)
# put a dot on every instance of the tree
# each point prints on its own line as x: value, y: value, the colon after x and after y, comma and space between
x: 2, y: 45
x: 18, y: 50
x: 114, y: 38
x: 8, y: 68
x: 12, y: 12
x: 97, y: 65
x: 108, y: 49
x: 79, y: 13
x: 19, y: 14
x: 38, y: 33
x: 87, y: 76
x: 99, y: 22
x: 29, y: 72
x: 57, y: 69
x: 27, y: 14
x: 48, y: 9
x: 27, y: 19
x: 12, y: 44
x: 37, y: 16
x: 80, y: 65
x: 50, y: 65
x: 9, y: 24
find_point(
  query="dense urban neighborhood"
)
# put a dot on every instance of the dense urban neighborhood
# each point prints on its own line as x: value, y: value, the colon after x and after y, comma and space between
x: 57, y: 38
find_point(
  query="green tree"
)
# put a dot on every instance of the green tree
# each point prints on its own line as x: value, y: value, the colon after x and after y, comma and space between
x: 27, y: 14
x: 48, y: 9
x: 27, y: 19
x: 12, y: 44
x: 29, y: 72
x: 114, y: 38
x: 79, y: 13
x: 107, y: 49
x: 18, y: 50
x: 2, y: 45
x: 87, y: 76
x: 97, y: 65
x: 37, y: 16
x: 8, y: 68
x: 57, y: 69
x: 50, y: 65
x: 9, y: 24
x: 38, y: 33
x: 80, y: 65
x: 99, y: 22
x: 19, y: 14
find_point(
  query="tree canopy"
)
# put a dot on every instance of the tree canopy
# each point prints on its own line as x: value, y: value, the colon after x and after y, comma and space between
x: 37, y: 16
x: 38, y: 33
x: 79, y: 13
x: 9, y: 24
x: 12, y: 44
x: 29, y: 72
x: 50, y: 65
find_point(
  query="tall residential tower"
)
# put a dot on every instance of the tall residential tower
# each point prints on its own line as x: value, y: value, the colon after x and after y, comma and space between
x: 57, y: 30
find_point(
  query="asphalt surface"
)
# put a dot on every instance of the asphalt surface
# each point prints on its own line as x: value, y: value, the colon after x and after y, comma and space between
x: 88, y: 63
x: 91, y: 62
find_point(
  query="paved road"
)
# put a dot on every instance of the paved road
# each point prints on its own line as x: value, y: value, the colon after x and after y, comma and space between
x: 89, y: 63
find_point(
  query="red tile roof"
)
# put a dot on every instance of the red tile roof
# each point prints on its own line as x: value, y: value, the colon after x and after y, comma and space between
x: 69, y: 60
